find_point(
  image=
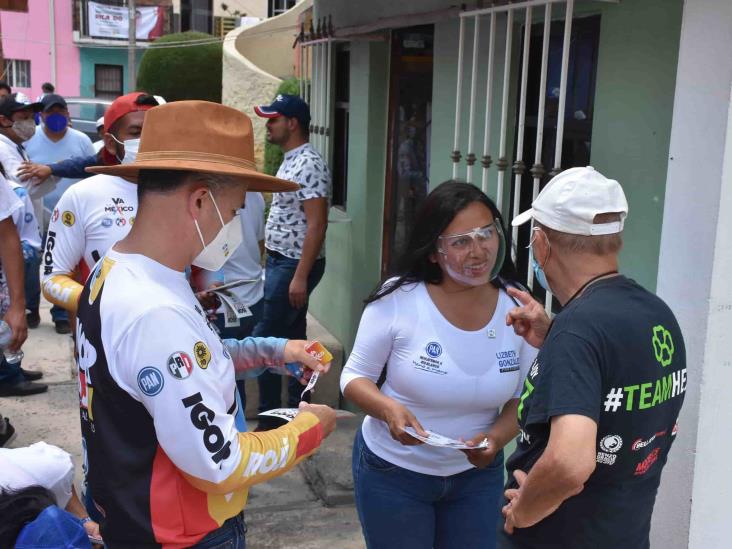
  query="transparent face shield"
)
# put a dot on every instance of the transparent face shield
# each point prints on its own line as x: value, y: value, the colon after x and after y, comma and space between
x: 456, y: 248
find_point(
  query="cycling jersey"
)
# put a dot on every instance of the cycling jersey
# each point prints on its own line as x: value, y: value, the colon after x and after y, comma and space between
x: 89, y: 218
x: 166, y: 464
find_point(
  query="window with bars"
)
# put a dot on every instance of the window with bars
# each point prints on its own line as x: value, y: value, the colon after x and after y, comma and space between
x: 341, y: 119
x: 108, y: 81
x: 18, y: 73
x: 278, y: 7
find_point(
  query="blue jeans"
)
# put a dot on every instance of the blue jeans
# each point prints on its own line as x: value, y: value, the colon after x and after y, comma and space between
x: 280, y: 319
x: 231, y: 535
x: 401, y: 509
x: 32, y: 262
x: 244, y: 329
x: 10, y: 374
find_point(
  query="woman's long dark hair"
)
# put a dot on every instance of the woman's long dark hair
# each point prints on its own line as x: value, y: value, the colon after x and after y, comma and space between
x: 434, y: 215
x: 18, y: 508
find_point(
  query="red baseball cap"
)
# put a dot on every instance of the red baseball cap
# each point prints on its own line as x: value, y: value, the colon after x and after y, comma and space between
x: 121, y: 106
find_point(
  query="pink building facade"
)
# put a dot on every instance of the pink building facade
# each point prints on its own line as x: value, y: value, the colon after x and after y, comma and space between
x: 46, y: 42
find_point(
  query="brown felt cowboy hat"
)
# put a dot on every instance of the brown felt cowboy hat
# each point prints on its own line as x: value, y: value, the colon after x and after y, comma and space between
x: 198, y: 136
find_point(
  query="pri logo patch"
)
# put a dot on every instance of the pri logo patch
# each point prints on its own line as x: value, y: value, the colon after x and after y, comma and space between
x: 68, y: 219
x: 663, y: 345
x: 150, y: 381
x: 433, y: 349
x: 203, y: 355
x: 180, y: 365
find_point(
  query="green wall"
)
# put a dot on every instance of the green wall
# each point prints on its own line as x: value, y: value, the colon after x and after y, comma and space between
x: 636, y: 78
x: 636, y: 74
x: 102, y: 56
x: 353, y: 244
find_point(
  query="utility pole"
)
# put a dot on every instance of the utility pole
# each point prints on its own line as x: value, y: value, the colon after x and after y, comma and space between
x: 132, y: 43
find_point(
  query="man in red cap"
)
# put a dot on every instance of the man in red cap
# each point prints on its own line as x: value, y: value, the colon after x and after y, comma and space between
x: 97, y: 212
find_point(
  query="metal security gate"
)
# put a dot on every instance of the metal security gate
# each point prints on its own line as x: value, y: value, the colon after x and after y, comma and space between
x: 315, y: 55
x: 500, y: 22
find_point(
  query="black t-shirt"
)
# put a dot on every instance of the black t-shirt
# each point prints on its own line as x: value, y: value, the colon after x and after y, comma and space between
x: 616, y: 355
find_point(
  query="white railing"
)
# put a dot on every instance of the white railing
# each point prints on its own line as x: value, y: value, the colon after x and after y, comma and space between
x: 316, y: 83
x: 507, y: 16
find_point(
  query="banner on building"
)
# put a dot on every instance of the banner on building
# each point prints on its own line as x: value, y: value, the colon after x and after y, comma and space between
x: 113, y: 21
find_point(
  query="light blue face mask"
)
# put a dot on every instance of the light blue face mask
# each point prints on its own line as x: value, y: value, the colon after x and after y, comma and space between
x: 539, y: 273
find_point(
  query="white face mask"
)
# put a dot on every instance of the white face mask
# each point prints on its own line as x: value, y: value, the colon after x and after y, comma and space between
x: 131, y: 147
x: 219, y: 250
x: 25, y: 129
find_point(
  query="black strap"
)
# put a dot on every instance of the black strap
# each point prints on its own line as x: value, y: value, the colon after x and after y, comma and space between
x: 586, y: 284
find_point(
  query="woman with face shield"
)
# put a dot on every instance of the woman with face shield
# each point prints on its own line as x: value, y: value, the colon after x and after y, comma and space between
x: 453, y: 368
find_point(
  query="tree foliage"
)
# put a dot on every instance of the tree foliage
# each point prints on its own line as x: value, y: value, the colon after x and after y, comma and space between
x: 185, y: 72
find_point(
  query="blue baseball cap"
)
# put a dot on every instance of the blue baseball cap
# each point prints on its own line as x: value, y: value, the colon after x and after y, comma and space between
x: 54, y: 528
x: 291, y: 106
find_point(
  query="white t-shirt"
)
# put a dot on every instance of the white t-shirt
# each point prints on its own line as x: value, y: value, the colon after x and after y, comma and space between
x: 454, y: 381
x: 25, y: 218
x: 90, y: 217
x: 9, y: 201
x: 287, y: 224
x: 38, y: 464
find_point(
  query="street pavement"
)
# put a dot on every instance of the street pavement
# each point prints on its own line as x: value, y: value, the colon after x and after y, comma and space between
x: 310, y: 507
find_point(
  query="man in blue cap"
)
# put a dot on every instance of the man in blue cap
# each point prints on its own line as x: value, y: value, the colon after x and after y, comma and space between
x: 294, y: 236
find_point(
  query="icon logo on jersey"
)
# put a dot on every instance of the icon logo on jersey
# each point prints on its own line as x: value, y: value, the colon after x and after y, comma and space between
x: 640, y: 443
x: 644, y: 466
x: 663, y: 345
x: 54, y: 218
x: 203, y: 355
x: 150, y: 381
x: 180, y: 365
x: 132, y: 220
x: 491, y: 334
x: 28, y: 217
x: 433, y: 349
x: 118, y: 206
x: 120, y: 221
x: 202, y: 418
x: 611, y: 444
x: 107, y: 222
x: 68, y: 219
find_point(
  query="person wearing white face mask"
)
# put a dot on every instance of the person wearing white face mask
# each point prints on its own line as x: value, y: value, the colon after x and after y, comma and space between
x: 166, y: 464
x: 452, y: 366
x: 97, y: 212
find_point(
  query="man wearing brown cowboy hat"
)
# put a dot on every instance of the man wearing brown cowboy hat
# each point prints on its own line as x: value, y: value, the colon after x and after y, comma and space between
x: 157, y: 391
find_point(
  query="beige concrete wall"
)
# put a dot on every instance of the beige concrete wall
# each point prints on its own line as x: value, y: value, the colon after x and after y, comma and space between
x: 245, y: 85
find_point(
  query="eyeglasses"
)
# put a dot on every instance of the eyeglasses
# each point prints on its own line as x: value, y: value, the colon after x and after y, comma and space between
x: 463, y: 242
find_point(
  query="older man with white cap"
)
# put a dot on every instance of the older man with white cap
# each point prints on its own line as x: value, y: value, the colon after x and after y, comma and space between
x: 600, y: 404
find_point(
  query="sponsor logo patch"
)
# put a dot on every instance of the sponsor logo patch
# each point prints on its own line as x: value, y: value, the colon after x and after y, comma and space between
x: 28, y: 217
x: 107, y: 222
x: 180, y: 365
x: 68, y: 219
x: 644, y: 466
x: 150, y: 381
x: 641, y: 443
x: 433, y: 349
x: 611, y: 444
x: 55, y: 215
x: 202, y: 354
x: 120, y: 221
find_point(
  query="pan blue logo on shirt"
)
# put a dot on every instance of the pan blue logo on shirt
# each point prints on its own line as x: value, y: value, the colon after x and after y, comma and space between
x: 434, y: 349
x: 150, y: 381
x: 107, y: 222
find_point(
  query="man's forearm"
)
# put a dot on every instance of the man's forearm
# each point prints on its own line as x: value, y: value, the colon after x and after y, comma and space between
x: 314, y: 238
x: 11, y: 255
x: 75, y: 167
x: 548, y: 484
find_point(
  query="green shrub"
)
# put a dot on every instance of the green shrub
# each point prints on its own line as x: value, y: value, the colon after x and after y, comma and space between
x: 272, y: 153
x: 185, y: 72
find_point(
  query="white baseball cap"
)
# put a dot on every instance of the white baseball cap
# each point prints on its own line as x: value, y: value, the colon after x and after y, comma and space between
x: 572, y: 199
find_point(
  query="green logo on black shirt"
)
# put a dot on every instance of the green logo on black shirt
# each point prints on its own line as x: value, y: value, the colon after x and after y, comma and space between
x: 663, y: 345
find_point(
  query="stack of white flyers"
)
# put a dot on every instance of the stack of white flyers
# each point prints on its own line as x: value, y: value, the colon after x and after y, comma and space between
x: 440, y: 441
x: 288, y: 414
x: 234, y: 310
